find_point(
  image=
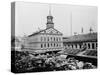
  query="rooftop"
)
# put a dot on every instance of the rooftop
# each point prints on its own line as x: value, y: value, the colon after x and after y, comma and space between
x: 38, y: 32
x: 81, y: 37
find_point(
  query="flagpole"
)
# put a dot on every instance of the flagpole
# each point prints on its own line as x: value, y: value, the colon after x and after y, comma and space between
x: 71, y: 23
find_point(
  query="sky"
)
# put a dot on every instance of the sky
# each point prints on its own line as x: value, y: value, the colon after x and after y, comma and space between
x: 68, y: 19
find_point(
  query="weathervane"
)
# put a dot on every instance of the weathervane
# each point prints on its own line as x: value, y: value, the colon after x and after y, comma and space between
x: 49, y: 9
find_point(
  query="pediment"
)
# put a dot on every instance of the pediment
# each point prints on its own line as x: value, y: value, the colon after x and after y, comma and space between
x: 51, y: 31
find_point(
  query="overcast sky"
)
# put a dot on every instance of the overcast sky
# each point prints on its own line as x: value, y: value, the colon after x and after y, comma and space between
x: 30, y: 17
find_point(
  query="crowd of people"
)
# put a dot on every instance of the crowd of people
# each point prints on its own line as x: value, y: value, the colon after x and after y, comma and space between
x: 27, y: 62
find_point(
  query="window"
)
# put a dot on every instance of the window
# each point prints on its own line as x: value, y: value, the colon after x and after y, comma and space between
x: 57, y: 45
x: 80, y: 46
x: 54, y: 38
x: 48, y: 44
x: 41, y: 45
x: 48, y: 38
x: 51, y: 38
x: 44, y: 45
x: 51, y: 44
x: 88, y: 46
x: 72, y: 46
x: 44, y: 39
x: 96, y: 45
x: 76, y: 46
x: 93, y: 47
x: 54, y: 44
x: 41, y: 38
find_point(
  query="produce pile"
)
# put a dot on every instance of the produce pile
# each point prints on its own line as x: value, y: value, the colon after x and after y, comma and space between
x: 26, y: 62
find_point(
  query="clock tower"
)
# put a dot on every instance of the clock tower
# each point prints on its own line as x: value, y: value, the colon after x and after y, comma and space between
x: 50, y: 23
